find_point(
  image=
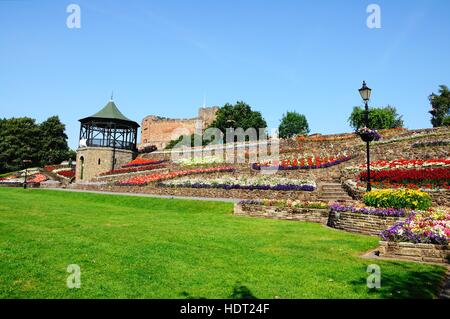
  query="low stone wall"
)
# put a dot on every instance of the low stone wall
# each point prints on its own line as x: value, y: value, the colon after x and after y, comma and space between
x: 415, y: 252
x: 297, y: 214
x: 361, y: 223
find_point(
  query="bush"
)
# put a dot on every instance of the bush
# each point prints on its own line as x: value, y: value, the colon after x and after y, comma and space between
x: 398, y: 198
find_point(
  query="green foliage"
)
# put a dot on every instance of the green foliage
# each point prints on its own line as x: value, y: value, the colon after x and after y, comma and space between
x: 236, y: 116
x: 22, y: 138
x: 138, y: 247
x: 379, y: 118
x: 440, y: 107
x: 398, y: 198
x: 293, y: 124
x: 446, y: 121
x: 187, y: 140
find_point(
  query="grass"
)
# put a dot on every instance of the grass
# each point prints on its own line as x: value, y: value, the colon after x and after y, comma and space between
x: 133, y: 247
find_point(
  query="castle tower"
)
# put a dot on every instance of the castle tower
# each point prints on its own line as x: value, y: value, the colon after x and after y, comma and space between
x: 107, y: 140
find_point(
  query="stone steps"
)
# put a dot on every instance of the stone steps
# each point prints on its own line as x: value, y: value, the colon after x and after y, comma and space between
x: 332, y: 192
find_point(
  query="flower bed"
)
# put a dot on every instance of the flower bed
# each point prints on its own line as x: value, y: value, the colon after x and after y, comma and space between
x: 402, y: 164
x: 146, y: 179
x: 66, y: 173
x: 398, y: 198
x: 302, y: 163
x: 392, y: 212
x: 428, y: 177
x: 244, y: 182
x: 134, y: 169
x: 285, y: 203
x: 37, y: 178
x: 335, y: 138
x: 139, y: 161
x: 206, y: 160
x: 431, y: 143
x: 431, y: 227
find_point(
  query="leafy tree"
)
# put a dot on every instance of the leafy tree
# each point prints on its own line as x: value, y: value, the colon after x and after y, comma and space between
x: 22, y: 138
x: 379, y: 118
x: 446, y: 121
x: 440, y: 106
x: 239, y: 115
x: 293, y: 124
x: 53, y: 146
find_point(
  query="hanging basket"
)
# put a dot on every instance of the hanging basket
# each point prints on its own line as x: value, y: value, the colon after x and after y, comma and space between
x: 367, y: 137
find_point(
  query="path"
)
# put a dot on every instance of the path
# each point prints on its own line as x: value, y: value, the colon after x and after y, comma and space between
x: 229, y: 200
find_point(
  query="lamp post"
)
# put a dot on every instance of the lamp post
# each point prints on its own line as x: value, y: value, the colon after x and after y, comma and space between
x: 365, y: 93
x: 25, y: 162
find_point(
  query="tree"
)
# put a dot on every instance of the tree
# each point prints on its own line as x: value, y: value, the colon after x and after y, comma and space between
x: 22, y: 138
x: 440, y: 106
x: 446, y: 121
x: 19, y: 140
x: 293, y: 124
x: 53, y: 148
x: 236, y: 116
x: 379, y: 118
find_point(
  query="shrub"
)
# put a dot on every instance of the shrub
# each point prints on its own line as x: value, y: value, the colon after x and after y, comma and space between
x: 398, y: 198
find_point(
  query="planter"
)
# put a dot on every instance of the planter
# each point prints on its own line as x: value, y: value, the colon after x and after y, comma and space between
x: 415, y: 252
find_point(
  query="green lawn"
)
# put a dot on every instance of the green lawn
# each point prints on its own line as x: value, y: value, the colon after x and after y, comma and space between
x: 133, y: 247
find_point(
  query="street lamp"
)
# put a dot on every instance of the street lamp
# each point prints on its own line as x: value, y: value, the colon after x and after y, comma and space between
x: 25, y: 162
x: 365, y: 93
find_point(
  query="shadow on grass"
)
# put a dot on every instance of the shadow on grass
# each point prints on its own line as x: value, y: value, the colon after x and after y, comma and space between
x: 239, y: 292
x: 408, y: 284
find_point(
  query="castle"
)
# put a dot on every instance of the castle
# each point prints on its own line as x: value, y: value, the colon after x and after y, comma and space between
x: 159, y: 131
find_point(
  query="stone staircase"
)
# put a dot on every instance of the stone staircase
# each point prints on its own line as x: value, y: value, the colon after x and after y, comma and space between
x: 332, y: 192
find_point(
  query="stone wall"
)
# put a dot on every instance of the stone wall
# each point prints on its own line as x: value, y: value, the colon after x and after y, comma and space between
x: 159, y: 131
x: 361, y: 223
x: 91, y: 161
x: 297, y: 214
x: 415, y: 252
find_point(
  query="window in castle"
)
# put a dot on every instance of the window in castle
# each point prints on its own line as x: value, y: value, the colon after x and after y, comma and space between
x: 99, y: 161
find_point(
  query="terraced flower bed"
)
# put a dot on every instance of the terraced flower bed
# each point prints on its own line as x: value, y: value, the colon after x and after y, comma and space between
x: 205, y: 160
x: 146, y: 179
x: 243, y: 182
x: 139, y: 161
x: 431, y: 227
x: 303, y: 163
x: 428, y: 177
x: 133, y: 169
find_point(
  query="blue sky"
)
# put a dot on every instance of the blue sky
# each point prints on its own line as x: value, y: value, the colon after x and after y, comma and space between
x: 163, y: 57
